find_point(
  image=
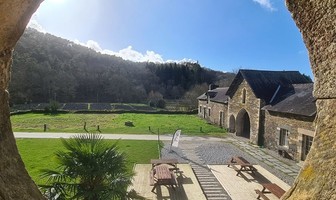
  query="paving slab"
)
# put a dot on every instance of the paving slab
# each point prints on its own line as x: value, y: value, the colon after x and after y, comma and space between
x: 242, y: 187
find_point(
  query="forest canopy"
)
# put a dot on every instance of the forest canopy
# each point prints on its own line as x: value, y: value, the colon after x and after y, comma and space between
x: 46, y: 67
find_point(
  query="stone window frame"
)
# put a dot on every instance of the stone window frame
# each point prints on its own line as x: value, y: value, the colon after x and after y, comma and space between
x: 209, y: 111
x: 200, y: 109
x: 278, y: 137
x: 304, y: 145
x: 244, y: 96
x: 301, y: 133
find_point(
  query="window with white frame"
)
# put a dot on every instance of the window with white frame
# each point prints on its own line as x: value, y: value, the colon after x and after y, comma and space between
x: 283, y: 137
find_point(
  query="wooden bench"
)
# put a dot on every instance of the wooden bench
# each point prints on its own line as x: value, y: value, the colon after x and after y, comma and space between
x: 174, y: 179
x: 177, y: 171
x: 161, y: 175
x: 172, y: 162
x: 270, y: 188
x: 244, y: 165
x: 151, y: 178
x: 236, y: 169
x: 261, y: 194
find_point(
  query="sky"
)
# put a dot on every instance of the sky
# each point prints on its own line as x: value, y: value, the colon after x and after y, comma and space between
x: 223, y: 35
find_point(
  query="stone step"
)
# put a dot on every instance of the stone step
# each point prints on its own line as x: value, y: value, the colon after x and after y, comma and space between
x: 206, y: 179
x: 208, y: 182
x: 202, y: 173
x: 216, y: 195
x: 205, y: 175
x: 201, y: 169
x: 213, y: 191
x: 197, y: 172
x: 210, y: 185
x: 212, y: 188
x: 218, y: 198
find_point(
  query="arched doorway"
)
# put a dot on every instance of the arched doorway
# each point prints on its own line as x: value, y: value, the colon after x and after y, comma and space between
x: 243, y: 124
x: 232, y: 123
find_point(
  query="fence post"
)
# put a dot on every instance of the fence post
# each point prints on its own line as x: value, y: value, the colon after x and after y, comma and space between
x: 159, y: 149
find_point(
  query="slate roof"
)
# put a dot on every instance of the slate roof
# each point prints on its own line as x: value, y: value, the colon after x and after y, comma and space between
x: 265, y: 83
x: 299, y: 100
x: 216, y: 95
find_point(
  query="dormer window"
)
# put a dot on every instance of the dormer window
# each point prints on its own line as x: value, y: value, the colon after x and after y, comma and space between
x: 244, y: 96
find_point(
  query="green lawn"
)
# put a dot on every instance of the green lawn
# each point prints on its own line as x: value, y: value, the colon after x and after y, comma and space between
x: 38, y: 154
x: 115, y: 123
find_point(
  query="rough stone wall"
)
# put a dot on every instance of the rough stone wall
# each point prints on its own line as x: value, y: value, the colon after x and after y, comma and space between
x: 15, y: 182
x: 252, y: 105
x: 316, y: 20
x: 201, y: 106
x: 293, y: 123
x: 215, y: 109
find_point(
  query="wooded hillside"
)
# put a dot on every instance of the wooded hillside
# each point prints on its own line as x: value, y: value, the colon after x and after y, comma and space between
x: 46, y: 67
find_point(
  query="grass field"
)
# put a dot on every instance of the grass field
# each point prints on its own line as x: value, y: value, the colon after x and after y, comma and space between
x: 38, y: 154
x: 115, y: 123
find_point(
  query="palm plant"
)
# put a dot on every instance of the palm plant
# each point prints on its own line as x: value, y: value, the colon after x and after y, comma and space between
x: 89, y: 169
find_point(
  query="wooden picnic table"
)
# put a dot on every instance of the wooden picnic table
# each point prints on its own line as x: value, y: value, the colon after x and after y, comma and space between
x: 161, y: 175
x: 244, y: 165
x: 172, y: 162
x: 270, y: 188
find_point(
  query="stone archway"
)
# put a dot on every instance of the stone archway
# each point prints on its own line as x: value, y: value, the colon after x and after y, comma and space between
x: 243, y: 124
x: 232, y: 122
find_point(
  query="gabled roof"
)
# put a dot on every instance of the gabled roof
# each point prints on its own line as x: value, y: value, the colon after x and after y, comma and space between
x: 216, y: 95
x: 299, y: 100
x: 265, y: 83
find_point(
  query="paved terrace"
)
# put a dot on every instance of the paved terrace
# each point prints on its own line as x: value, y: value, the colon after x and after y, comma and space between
x: 206, y: 156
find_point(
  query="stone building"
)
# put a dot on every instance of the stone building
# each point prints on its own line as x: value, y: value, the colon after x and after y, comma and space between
x: 213, y: 105
x: 274, y: 109
x: 289, y: 121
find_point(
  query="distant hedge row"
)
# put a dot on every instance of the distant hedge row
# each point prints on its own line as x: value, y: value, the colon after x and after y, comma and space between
x: 94, y: 108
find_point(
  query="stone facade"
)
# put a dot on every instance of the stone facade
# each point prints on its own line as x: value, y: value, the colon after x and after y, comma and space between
x: 213, y: 112
x: 252, y: 106
x: 246, y: 113
x: 297, y: 127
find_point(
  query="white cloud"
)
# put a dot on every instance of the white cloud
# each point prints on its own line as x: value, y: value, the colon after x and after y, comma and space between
x: 94, y: 45
x: 184, y: 60
x: 130, y: 54
x: 35, y: 25
x: 127, y: 53
x: 265, y: 4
